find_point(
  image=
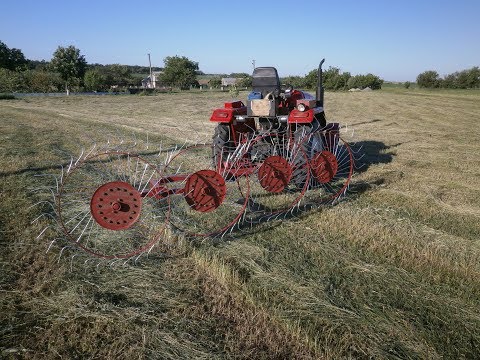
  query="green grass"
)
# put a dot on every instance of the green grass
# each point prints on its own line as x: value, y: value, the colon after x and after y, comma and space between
x: 392, y: 272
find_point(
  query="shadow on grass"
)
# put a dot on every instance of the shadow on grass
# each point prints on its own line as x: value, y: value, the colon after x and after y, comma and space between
x: 373, y: 152
x: 370, y: 153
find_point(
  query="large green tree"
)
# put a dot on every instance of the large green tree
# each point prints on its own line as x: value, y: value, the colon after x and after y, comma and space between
x: 297, y: 82
x: 310, y: 80
x: 465, y: 79
x: 333, y: 79
x: 179, y: 71
x: 428, y: 79
x: 363, y: 81
x: 244, y: 81
x: 116, y: 75
x: 94, y: 80
x: 68, y: 62
x: 11, y: 59
x: 468, y: 79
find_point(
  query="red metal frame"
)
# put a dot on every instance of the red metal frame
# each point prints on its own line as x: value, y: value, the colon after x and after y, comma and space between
x: 159, y: 191
x: 303, y: 117
x: 228, y: 112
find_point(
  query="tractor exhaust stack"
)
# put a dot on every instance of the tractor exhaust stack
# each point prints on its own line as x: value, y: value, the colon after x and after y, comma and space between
x: 320, y: 90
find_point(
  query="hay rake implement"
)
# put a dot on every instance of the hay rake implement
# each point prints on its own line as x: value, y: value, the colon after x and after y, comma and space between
x: 268, y: 158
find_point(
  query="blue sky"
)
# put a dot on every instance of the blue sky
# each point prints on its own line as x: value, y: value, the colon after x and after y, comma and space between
x: 393, y: 39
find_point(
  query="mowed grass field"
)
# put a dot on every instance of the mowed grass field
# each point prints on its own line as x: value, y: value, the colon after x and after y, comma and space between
x: 391, y: 272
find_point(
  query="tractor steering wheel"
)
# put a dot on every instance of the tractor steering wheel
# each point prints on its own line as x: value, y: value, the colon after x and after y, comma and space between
x: 286, y: 88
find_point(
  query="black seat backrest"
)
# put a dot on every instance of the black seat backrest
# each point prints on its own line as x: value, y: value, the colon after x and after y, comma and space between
x: 265, y: 80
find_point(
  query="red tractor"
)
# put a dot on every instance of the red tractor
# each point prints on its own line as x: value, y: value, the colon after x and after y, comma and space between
x: 282, y: 120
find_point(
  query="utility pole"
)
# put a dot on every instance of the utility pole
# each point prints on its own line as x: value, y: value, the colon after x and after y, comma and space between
x: 150, y: 65
x: 253, y: 63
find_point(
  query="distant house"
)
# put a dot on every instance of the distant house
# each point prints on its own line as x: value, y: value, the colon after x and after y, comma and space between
x: 203, y: 83
x: 152, y: 82
x: 228, y: 81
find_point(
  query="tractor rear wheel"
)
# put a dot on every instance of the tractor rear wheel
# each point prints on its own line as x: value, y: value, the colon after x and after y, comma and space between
x: 222, y: 145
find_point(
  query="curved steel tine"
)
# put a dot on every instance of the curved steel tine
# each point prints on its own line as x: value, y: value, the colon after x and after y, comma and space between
x: 137, y: 258
x: 50, y: 245
x: 149, y: 250
x: 91, y: 151
x: 71, y: 261
x: 70, y: 165
x: 99, y: 263
x: 80, y: 157
x: 61, y: 252
x: 42, y: 232
x: 61, y: 179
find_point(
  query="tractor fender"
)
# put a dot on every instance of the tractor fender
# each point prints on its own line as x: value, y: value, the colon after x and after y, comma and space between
x: 304, y: 117
x: 228, y: 112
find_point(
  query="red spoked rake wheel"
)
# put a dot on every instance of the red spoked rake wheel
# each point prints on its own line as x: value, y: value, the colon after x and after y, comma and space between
x: 204, y: 190
x: 275, y: 174
x: 324, y: 166
x: 281, y: 171
x: 116, y: 205
x: 204, y: 201
x: 104, y: 205
x: 331, y: 171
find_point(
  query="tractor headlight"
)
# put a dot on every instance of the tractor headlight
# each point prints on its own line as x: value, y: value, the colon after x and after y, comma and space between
x: 301, y: 107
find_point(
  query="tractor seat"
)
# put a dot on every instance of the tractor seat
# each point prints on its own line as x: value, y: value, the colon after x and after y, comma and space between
x: 265, y: 80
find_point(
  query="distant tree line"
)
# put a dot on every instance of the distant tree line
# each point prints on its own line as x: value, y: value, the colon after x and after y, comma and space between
x: 465, y: 79
x: 335, y: 79
x: 67, y: 70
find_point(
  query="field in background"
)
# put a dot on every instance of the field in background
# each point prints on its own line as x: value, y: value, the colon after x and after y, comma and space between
x: 392, y: 272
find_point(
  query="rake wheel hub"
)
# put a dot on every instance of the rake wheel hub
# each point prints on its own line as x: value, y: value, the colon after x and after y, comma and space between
x: 324, y: 166
x: 205, y: 190
x: 116, y: 205
x: 275, y: 174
